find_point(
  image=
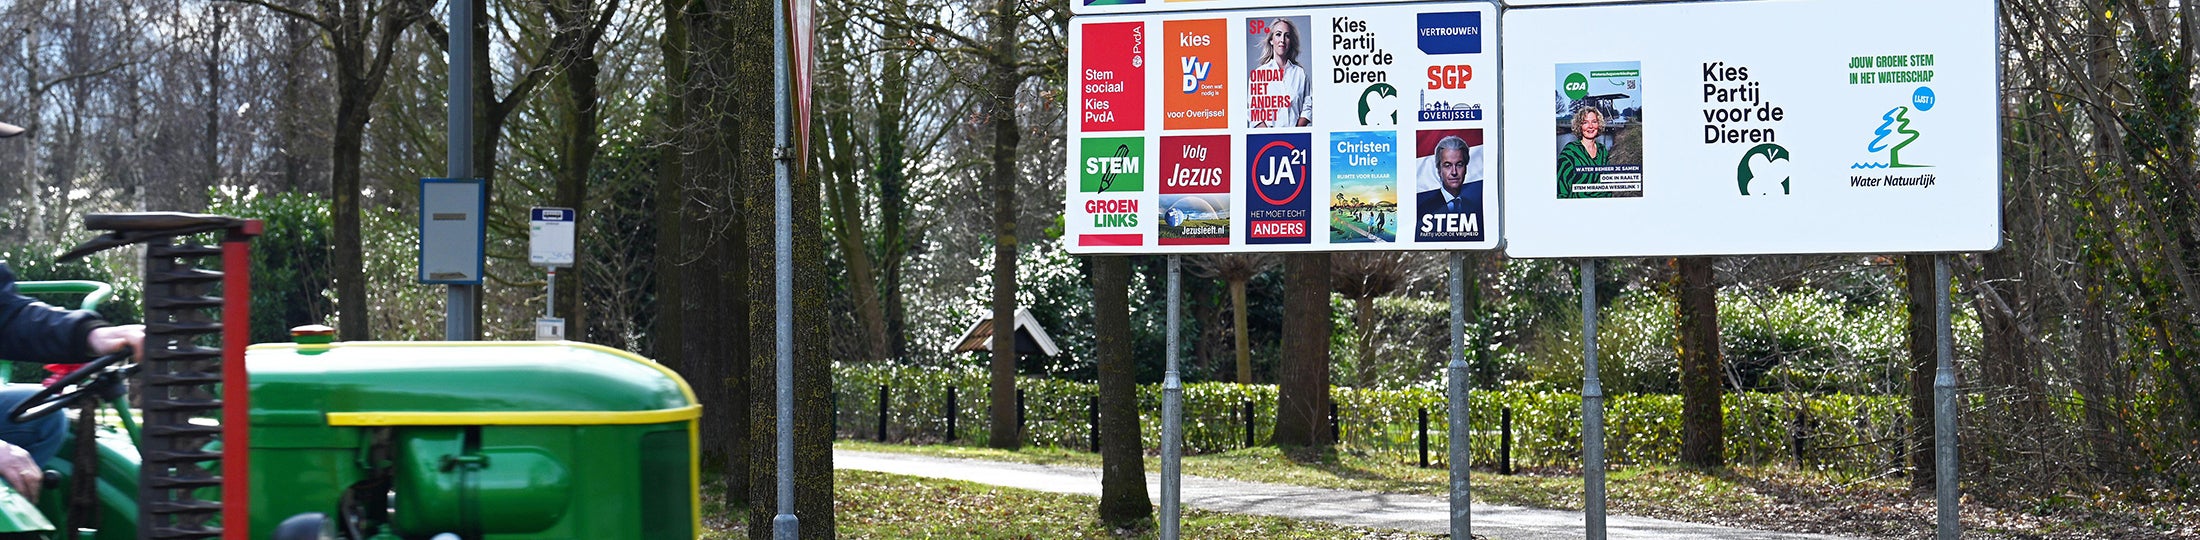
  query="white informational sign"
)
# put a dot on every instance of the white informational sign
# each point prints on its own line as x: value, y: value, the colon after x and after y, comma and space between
x: 550, y: 236
x: 1368, y: 128
x: 452, y: 226
x: 549, y: 329
x: 1759, y: 127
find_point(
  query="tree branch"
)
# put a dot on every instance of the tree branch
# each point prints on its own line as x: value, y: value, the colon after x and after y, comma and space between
x: 287, y: 11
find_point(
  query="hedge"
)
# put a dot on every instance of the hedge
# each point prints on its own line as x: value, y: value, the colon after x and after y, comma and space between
x: 1827, y: 431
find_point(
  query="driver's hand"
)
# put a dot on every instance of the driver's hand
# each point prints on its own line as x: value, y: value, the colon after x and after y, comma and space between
x: 21, y: 472
x: 108, y: 340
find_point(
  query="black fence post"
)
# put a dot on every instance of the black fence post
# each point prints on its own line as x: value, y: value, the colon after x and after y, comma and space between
x: 1248, y: 423
x: 1424, y: 437
x: 1335, y: 434
x: 881, y: 413
x: 1019, y: 415
x: 1093, y: 421
x: 952, y: 412
x: 1505, y: 445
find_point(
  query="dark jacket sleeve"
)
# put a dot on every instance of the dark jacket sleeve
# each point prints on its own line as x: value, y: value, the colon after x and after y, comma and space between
x: 32, y: 331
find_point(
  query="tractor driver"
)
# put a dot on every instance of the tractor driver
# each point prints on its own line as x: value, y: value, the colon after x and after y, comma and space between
x: 32, y: 331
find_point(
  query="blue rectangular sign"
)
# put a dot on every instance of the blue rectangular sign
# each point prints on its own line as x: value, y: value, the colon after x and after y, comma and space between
x: 1450, y: 33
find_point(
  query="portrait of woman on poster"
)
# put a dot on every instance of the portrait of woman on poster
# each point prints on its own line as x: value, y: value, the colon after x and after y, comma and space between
x: 1583, y: 151
x: 1279, y: 69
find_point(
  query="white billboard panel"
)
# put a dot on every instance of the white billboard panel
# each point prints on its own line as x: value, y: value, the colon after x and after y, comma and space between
x: 1366, y: 128
x: 1124, y: 7
x: 1760, y: 127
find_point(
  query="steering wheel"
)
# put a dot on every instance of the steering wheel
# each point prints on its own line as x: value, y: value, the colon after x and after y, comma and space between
x: 105, y: 378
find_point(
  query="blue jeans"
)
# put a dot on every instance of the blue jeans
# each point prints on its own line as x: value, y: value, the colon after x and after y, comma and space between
x: 41, y: 437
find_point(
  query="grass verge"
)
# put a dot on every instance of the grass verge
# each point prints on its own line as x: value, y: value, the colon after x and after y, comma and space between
x: 1760, y: 497
x: 878, y: 505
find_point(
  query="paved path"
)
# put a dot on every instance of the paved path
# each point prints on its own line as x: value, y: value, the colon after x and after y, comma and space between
x: 1383, y: 510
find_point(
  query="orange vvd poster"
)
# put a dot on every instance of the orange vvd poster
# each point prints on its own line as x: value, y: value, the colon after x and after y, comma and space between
x: 1199, y: 95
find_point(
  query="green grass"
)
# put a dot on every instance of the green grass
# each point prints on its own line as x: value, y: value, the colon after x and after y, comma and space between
x: 1764, y: 497
x: 879, y: 505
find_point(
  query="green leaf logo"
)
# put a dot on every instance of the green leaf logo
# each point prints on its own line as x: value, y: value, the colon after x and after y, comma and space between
x: 1762, y: 165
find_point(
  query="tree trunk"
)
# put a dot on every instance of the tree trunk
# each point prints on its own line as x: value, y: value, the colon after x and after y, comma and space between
x: 1123, y: 500
x: 1364, y: 315
x: 706, y: 260
x: 2095, y: 375
x: 575, y: 40
x: 1703, y: 434
x: 193, y: 194
x: 2008, y: 366
x: 1924, y: 359
x: 750, y: 133
x: 1002, y: 78
x: 344, y: 190
x: 893, y: 187
x: 1239, y: 331
x: 1302, y: 381
x: 1205, y: 302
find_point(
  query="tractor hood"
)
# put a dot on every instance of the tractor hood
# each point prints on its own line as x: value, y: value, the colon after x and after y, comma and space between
x: 461, y: 383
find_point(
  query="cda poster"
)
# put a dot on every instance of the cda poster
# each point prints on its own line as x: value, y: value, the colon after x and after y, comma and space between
x: 1361, y: 128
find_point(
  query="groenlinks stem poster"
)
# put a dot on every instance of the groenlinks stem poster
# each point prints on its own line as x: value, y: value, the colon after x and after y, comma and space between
x: 1758, y: 127
x: 1365, y: 128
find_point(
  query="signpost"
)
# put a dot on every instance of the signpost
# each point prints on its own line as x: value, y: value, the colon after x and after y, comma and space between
x: 1864, y: 126
x: 1283, y: 129
x: 1232, y: 126
x: 550, y: 244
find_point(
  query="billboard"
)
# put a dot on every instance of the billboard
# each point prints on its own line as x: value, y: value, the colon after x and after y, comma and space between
x: 1368, y: 128
x: 1120, y: 7
x: 1763, y: 127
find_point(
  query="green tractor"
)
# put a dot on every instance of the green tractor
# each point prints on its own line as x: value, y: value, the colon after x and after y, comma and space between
x: 356, y: 440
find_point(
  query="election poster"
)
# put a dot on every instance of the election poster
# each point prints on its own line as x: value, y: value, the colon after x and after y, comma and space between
x: 1200, y: 98
x: 1112, y: 81
x: 1278, y: 81
x: 1600, y: 130
x: 1195, y: 191
x: 1363, y: 187
x: 1450, y: 204
x: 1284, y: 129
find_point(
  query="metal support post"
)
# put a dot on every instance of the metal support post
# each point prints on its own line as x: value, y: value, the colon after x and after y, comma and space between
x: 458, y: 300
x: 1592, y: 407
x: 1455, y: 397
x: 1944, y: 411
x: 1172, y: 415
x: 785, y: 525
x: 550, y: 298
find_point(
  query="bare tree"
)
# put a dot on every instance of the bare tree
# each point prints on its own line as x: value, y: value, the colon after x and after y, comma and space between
x: 361, y: 35
x: 1236, y: 269
x: 1362, y: 277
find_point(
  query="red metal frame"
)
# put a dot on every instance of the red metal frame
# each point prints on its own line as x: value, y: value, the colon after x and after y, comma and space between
x: 236, y: 384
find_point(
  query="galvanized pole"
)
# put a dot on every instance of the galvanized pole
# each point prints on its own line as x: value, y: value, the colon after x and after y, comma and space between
x: 1455, y: 397
x: 784, y: 525
x: 550, y: 297
x: 1592, y: 407
x: 1172, y: 415
x: 458, y: 300
x: 1944, y: 411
